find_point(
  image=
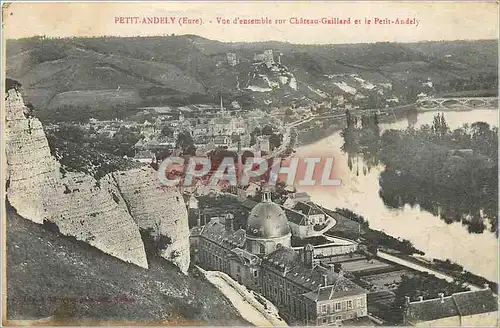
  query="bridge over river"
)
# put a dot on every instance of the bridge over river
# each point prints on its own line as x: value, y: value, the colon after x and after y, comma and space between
x: 454, y: 102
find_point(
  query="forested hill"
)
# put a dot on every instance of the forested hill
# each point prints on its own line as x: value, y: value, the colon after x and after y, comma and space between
x: 103, y: 72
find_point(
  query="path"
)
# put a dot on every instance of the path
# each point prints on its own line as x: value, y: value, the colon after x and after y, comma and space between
x: 243, y: 301
x: 421, y: 268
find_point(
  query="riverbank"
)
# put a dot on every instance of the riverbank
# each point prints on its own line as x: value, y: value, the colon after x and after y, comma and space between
x: 461, y: 275
x: 312, y: 131
x: 477, y: 253
x: 376, y: 240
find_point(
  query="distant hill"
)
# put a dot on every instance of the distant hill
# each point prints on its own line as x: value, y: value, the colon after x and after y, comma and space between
x: 49, y: 275
x: 111, y: 72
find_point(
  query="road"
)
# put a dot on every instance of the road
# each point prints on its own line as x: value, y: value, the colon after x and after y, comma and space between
x: 249, y: 310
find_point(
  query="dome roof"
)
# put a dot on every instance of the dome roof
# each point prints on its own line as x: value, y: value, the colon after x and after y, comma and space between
x: 267, y: 220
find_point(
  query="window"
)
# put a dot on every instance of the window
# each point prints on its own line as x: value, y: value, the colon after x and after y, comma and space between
x: 262, y: 248
x: 325, y: 320
x: 349, y: 305
x: 323, y: 309
x: 256, y: 273
x: 339, y: 317
x: 337, y: 306
x: 238, y: 268
x: 360, y: 302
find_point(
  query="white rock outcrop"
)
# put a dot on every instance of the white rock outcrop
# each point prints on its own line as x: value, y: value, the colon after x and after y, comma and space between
x: 106, y: 214
x: 162, y: 209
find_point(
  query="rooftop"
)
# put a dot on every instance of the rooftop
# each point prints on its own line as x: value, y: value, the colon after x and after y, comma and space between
x: 300, y: 194
x: 288, y: 262
x: 294, y: 216
x: 246, y: 257
x: 267, y: 220
x: 308, y: 208
x: 339, y: 287
x: 144, y: 154
x: 215, y: 231
x: 463, y: 304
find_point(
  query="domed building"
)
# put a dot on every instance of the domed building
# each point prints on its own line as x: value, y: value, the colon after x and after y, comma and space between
x: 267, y: 227
x: 260, y: 257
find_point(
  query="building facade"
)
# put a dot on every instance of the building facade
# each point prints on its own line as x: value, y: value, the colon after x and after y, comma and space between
x: 472, y: 308
x: 261, y: 258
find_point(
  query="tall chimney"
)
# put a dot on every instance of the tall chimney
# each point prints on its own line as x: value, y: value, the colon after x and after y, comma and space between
x: 441, y: 296
x: 325, y: 280
x: 229, y: 222
x: 308, y: 255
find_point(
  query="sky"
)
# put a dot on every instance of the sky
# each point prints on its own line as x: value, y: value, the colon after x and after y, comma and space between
x: 436, y: 20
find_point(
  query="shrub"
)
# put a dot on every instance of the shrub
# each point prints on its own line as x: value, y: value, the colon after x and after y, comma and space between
x: 154, y: 243
x: 50, y: 226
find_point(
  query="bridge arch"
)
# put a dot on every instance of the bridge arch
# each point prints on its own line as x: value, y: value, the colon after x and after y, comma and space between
x: 469, y: 102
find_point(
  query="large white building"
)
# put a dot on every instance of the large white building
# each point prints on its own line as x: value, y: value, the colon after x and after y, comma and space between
x: 261, y: 258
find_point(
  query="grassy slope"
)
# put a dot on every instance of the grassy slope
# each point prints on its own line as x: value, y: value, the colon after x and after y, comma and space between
x: 51, y: 275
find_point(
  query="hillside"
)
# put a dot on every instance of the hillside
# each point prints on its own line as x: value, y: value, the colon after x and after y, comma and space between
x: 110, y: 72
x: 52, y: 275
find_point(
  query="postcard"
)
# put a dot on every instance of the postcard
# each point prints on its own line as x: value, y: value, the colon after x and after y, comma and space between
x: 250, y: 163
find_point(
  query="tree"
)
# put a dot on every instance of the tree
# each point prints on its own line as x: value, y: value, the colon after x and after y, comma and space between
x: 275, y: 140
x: 167, y: 131
x: 12, y: 84
x: 439, y: 126
x: 185, y: 142
x: 267, y: 130
x: 154, y: 241
x: 412, y: 116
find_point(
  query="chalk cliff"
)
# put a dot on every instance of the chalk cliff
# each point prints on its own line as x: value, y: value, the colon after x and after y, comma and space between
x: 106, y: 213
x: 162, y: 210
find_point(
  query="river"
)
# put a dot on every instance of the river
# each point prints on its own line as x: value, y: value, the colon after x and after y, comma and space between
x: 477, y: 253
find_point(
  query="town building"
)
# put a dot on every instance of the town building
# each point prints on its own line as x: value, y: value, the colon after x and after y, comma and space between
x: 307, y: 219
x: 295, y: 197
x: 471, y: 308
x: 261, y: 258
x: 145, y: 157
x: 314, y: 214
x: 232, y: 59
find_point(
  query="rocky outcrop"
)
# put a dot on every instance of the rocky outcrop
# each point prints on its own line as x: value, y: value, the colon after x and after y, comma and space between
x: 105, y: 213
x: 31, y: 169
x: 153, y: 206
